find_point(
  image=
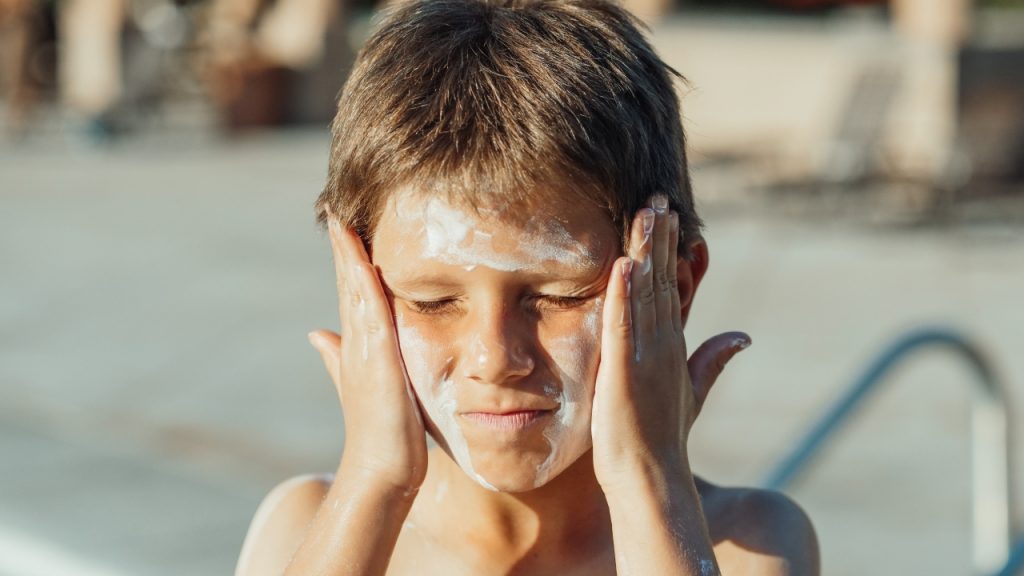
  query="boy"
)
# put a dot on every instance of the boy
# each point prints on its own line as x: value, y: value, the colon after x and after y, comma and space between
x: 517, y: 251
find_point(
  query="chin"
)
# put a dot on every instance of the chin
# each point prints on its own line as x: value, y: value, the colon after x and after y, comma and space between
x: 518, y: 471
x: 512, y: 477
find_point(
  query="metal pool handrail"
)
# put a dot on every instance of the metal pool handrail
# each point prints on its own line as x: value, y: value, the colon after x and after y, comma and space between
x: 1016, y: 560
x: 990, y: 468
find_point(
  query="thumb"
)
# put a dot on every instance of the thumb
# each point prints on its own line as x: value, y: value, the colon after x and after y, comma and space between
x: 709, y: 360
x: 328, y: 344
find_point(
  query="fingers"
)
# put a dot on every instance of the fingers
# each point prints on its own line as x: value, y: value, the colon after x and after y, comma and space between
x: 340, y: 272
x: 709, y: 360
x: 641, y: 243
x: 328, y: 344
x: 675, y: 314
x: 664, y: 278
x: 372, y: 310
x: 617, y: 339
x: 654, y: 240
x: 358, y: 284
x: 347, y: 249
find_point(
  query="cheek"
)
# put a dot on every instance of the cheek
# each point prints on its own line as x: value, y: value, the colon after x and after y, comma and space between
x: 426, y: 359
x: 575, y: 353
x: 575, y: 358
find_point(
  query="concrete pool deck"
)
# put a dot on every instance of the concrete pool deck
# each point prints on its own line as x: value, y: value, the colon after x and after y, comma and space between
x: 156, y: 378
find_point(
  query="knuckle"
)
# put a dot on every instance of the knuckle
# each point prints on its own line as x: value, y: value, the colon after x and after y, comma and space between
x: 373, y: 326
x: 647, y: 296
x: 661, y: 279
x: 624, y: 328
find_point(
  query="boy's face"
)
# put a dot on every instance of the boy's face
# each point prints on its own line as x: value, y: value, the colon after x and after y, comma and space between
x: 499, y: 328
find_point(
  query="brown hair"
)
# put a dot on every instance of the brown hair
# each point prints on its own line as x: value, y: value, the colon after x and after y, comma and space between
x: 505, y: 101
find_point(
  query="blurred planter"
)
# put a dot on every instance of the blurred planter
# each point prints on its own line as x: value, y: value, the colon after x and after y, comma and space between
x: 263, y: 94
x: 267, y: 95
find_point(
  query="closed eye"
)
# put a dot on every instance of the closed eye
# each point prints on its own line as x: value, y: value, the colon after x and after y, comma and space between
x: 433, y: 306
x: 544, y: 301
x: 561, y: 302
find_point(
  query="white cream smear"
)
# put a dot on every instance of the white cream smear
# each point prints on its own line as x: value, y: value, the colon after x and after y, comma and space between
x: 459, y: 238
x: 454, y: 237
x: 569, y: 434
x: 437, y: 394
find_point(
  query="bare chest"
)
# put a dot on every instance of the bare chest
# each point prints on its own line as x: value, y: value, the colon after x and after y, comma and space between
x: 418, y: 555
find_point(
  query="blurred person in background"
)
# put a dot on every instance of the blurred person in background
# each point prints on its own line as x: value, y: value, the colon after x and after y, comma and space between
x: 90, y: 60
x: 257, y: 47
x: 23, y: 27
x: 265, y: 49
x: 93, y: 57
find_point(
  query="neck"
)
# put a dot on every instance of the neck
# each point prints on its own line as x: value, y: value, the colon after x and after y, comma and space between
x: 565, y: 517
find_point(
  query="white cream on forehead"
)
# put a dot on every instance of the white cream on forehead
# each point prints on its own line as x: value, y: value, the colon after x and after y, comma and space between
x: 460, y: 238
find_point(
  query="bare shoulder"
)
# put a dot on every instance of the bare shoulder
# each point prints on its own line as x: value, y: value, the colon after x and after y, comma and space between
x: 759, y: 532
x: 280, y: 524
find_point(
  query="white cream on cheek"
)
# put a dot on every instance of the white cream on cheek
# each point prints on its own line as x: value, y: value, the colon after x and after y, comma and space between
x: 430, y: 373
x: 569, y: 433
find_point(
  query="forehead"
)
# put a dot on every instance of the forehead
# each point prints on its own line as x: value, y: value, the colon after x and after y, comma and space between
x: 416, y: 228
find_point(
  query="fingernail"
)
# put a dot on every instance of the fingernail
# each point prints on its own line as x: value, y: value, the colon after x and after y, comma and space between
x: 627, y: 275
x: 648, y: 222
x: 741, y: 343
x: 312, y: 336
x: 659, y: 203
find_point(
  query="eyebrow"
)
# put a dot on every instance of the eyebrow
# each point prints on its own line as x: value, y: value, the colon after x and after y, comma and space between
x: 424, y: 280
x: 429, y: 280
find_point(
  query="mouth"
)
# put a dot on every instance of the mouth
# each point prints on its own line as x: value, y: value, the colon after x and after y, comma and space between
x: 512, y: 421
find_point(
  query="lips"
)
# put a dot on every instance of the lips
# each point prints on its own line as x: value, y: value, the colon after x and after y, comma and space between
x: 511, y: 421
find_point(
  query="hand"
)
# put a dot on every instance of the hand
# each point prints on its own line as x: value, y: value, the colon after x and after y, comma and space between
x: 385, y: 437
x: 647, y: 395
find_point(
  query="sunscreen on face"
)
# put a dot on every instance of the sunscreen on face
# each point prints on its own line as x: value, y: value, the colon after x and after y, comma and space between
x: 441, y: 233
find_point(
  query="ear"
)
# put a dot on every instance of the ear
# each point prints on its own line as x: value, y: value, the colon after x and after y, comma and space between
x: 689, y: 273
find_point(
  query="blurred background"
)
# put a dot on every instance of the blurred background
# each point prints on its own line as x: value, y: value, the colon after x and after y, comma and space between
x: 860, y: 166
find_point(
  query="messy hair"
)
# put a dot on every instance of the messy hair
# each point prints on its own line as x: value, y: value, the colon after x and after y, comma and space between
x: 505, y: 102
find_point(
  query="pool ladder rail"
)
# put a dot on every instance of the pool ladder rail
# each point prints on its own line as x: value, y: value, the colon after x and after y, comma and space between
x: 991, y: 489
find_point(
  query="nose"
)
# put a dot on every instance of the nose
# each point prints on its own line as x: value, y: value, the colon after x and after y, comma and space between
x: 497, y: 349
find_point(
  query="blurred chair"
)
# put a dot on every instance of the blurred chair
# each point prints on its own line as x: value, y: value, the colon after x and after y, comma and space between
x: 852, y: 155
